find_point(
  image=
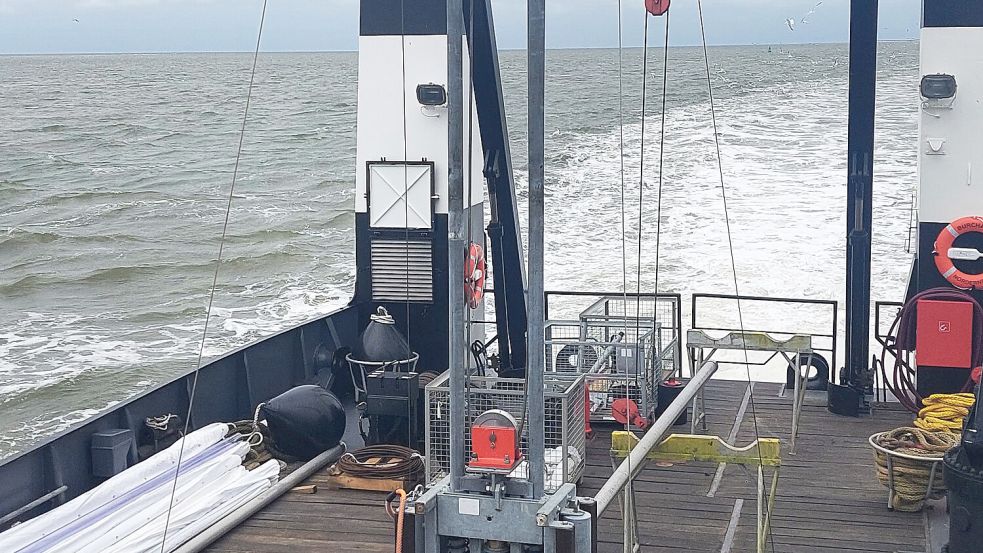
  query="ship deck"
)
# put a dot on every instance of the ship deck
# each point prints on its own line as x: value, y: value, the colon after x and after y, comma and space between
x: 828, y: 497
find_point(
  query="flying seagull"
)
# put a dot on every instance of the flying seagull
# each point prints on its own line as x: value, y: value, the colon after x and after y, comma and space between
x: 75, y: 20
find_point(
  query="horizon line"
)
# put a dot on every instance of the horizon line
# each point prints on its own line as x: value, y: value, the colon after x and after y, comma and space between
x: 185, y: 52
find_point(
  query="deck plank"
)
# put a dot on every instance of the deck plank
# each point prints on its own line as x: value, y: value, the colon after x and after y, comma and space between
x: 828, y: 500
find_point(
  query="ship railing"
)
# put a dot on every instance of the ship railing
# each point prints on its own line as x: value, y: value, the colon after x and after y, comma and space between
x: 818, y: 319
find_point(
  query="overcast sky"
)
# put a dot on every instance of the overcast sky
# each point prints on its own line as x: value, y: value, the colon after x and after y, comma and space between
x: 49, y: 26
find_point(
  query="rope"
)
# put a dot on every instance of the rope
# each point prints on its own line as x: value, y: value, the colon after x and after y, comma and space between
x: 730, y: 240
x: 911, y: 477
x: 944, y: 412
x: 218, y: 264
x: 400, y: 462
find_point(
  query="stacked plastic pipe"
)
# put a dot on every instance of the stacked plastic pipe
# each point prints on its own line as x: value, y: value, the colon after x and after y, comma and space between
x: 128, y: 512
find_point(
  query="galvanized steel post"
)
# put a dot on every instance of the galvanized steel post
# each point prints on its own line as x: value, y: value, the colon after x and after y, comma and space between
x: 456, y: 235
x: 536, y: 75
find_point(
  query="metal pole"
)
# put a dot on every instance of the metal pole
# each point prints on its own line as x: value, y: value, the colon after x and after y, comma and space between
x: 631, y: 466
x: 536, y: 72
x: 457, y: 232
x: 847, y: 398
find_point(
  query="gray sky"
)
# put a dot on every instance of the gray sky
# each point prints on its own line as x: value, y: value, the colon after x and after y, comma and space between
x: 49, y: 26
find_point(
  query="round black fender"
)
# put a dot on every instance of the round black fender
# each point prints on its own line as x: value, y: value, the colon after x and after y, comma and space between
x: 818, y: 371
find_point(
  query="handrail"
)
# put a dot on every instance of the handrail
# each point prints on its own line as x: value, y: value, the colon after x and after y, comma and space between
x: 635, y: 461
x: 37, y: 502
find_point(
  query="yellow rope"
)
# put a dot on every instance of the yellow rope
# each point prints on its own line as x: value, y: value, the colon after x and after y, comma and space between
x: 944, y: 412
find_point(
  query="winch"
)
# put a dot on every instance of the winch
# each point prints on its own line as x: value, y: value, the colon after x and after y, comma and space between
x: 494, y: 443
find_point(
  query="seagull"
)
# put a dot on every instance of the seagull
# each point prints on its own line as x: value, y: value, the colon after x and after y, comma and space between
x: 75, y: 20
x: 791, y: 24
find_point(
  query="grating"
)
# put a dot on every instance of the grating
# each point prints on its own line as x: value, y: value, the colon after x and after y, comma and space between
x: 402, y: 270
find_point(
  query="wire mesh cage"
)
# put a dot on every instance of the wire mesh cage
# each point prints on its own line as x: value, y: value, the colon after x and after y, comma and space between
x: 644, y: 311
x: 617, y: 358
x: 565, y: 411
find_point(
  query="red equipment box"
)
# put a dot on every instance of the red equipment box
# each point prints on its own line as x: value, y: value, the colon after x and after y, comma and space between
x: 944, y: 334
x: 494, y: 448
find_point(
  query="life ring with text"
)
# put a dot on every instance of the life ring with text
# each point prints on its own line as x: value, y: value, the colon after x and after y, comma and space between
x: 944, y: 253
x: 474, y: 275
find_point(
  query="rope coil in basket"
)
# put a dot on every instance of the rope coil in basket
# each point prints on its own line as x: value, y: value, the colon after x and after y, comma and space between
x: 914, y: 455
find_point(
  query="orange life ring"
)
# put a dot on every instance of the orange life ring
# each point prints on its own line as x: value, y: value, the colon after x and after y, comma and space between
x: 944, y: 263
x: 474, y: 275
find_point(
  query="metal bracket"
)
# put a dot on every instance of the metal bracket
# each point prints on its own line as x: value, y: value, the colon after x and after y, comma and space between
x: 763, y: 452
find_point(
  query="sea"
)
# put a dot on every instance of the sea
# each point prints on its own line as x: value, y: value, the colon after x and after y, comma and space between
x: 115, y: 171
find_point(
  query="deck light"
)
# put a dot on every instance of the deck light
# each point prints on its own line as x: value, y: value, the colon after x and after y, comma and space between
x: 938, y: 90
x: 431, y: 94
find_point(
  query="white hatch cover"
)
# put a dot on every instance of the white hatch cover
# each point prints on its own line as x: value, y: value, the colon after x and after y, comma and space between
x: 400, y: 195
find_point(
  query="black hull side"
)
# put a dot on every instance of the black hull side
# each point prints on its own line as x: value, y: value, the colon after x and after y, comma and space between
x: 228, y: 389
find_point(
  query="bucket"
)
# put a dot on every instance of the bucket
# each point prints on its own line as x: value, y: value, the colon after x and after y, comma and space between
x: 668, y: 391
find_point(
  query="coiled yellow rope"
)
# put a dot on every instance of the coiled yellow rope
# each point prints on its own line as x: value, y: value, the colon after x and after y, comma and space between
x: 944, y: 412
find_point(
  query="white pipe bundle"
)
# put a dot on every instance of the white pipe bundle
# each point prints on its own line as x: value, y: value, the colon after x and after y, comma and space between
x: 129, y: 511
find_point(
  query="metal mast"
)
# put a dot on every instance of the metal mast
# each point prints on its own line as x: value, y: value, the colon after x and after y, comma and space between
x: 536, y: 75
x: 847, y: 398
x: 457, y: 233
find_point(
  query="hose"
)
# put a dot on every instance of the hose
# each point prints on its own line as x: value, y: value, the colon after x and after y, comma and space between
x: 400, y: 462
x: 398, y: 517
x: 945, y: 412
x: 902, y: 338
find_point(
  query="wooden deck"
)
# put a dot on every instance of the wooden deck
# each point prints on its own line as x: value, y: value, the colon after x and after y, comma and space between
x: 828, y: 497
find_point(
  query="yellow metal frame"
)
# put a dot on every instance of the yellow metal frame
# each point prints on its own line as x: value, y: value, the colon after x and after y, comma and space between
x: 678, y: 448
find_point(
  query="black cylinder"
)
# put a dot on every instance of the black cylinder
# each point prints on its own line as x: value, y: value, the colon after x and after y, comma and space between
x: 965, y: 485
x: 669, y: 391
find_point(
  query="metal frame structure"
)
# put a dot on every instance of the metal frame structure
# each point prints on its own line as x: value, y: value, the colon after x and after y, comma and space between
x: 698, y: 344
x: 831, y: 336
x: 608, y: 358
x: 848, y: 395
x: 680, y: 448
x: 671, y: 330
x: 478, y: 508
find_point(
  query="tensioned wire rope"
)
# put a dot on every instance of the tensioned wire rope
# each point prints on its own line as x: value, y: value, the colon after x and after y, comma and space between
x: 730, y: 240
x: 214, y: 285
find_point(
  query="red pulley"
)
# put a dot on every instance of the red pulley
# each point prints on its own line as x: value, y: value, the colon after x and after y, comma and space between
x: 976, y: 374
x: 624, y: 410
x: 657, y: 7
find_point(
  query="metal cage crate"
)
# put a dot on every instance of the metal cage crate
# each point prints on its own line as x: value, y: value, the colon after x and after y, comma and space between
x: 566, y: 451
x: 618, y: 360
x: 645, y: 311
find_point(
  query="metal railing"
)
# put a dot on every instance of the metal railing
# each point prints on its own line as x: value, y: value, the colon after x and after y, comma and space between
x: 825, y: 341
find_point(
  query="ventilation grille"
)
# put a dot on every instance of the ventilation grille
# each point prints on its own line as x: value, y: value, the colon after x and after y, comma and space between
x: 402, y: 270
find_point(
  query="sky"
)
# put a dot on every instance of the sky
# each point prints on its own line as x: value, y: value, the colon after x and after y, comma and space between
x: 83, y: 26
